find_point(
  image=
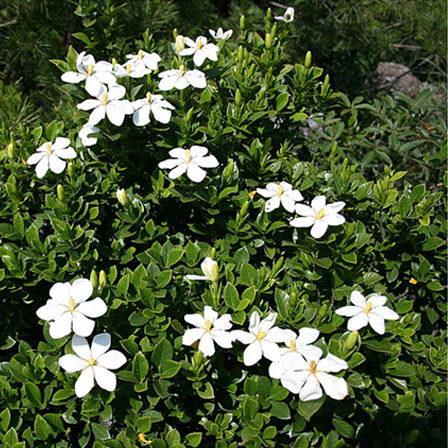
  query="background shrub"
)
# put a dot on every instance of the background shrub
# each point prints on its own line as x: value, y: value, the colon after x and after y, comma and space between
x: 383, y: 158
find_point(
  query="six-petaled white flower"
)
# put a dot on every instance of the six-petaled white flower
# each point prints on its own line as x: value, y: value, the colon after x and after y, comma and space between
x: 288, y: 16
x: 146, y: 62
x: 220, y: 34
x: 209, y: 268
x: 281, y: 193
x: 209, y: 329
x: 200, y: 49
x: 154, y: 104
x: 308, y: 374
x: 95, y: 363
x: 51, y: 156
x: 367, y: 312
x: 295, y: 345
x: 319, y: 216
x: 190, y: 161
x: 181, y: 78
x: 109, y: 103
x: 69, y: 309
x: 261, y: 339
x: 95, y: 74
x: 87, y: 135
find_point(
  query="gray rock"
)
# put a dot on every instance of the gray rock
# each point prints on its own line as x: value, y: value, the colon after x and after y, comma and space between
x: 398, y: 78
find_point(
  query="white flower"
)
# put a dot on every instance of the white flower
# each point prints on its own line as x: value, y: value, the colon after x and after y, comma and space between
x: 200, y: 50
x: 181, y: 79
x: 209, y: 329
x: 69, y: 309
x: 220, y: 34
x: 281, y: 193
x: 190, y: 161
x: 367, y: 312
x: 155, y: 104
x: 288, y: 16
x: 95, y: 74
x: 149, y: 61
x: 261, y: 340
x: 108, y: 103
x: 295, y: 345
x: 85, y: 135
x: 306, y: 376
x: 209, y: 268
x: 319, y: 216
x: 94, y: 363
x: 51, y: 156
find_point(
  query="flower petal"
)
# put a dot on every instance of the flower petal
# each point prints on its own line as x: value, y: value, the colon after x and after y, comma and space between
x: 306, y: 221
x: 56, y: 164
x: 357, y: 322
x: 195, y: 173
x: 35, y: 158
x: 288, y: 203
x: 81, y: 290
x: 253, y: 353
x: 334, y: 220
x: 272, y: 204
x: 60, y: 293
x: 376, y: 300
x: 192, y: 335
x: 311, y: 390
x: 72, y: 363
x: 206, y: 345
x: 93, y: 86
x: 304, y: 210
x: 334, y: 387
x: 318, y: 203
x: 268, y: 322
x: 81, y: 347
x: 65, y: 153
x: 332, y: 364
x: 195, y: 319
x: 207, y: 162
x: 385, y: 313
x: 61, y: 326
x: 177, y: 172
x: 82, y: 326
x: 115, y: 114
x: 223, y: 322
x: 349, y: 311
x: 307, y: 335
x: 377, y: 323
x: 100, y: 345
x: 42, y: 167
x: 84, y: 383
x: 210, y: 314
x: 223, y: 338
x: 105, y: 379
x: 294, y: 381
x: 73, y: 77
x: 270, y: 350
x: 319, y: 228
x: 243, y: 336
x: 113, y: 359
x: 51, y: 310
x: 92, y: 308
x: 358, y: 299
x: 265, y: 192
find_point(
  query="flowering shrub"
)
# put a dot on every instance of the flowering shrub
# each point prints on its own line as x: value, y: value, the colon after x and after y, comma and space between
x: 190, y: 267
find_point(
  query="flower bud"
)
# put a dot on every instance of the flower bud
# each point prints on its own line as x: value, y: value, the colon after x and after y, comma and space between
x: 242, y: 22
x: 243, y: 210
x: 210, y: 269
x: 308, y: 59
x: 293, y: 298
x: 122, y: 197
x: 94, y: 279
x: 10, y: 151
x: 327, y: 80
x: 60, y: 192
x: 102, y: 280
x: 188, y: 115
x: 269, y: 14
x: 351, y: 340
x: 71, y: 169
x: 323, y: 310
x: 175, y: 33
x: 240, y: 54
x: 268, y: 40
x: 238, y: 97
x: 180, y: 43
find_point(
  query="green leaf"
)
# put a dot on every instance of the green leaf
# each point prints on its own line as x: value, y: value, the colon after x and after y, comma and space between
x: 162, y: 351
x: 33, y: 394
x: 41, y: 428
x: 193, y: 439
x: 140, y: 367
x: 280, y: 410
x: 281, y: 101
x: 231, y: 296
x: 308, y: 408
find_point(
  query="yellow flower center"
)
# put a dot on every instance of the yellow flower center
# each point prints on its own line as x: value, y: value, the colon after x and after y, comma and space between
x: 140, y: 54
x: 148, y: 96
x: 91, y: 362
x: 261, y: 335
x: 114, y: 61
x: 182, y: 70
x: 208, y: 325
x: 368, y: 308
x: 313, y: 367
x: 90, y: 69
x: 292, y: 345
x: 105, y: 98
x: 49, y: 148
x: 280, y: 190
x: 188, y: 155
x: 200, y: 44
x: 320, y: 214
x: 71, y: 304
x: 128, y: 68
